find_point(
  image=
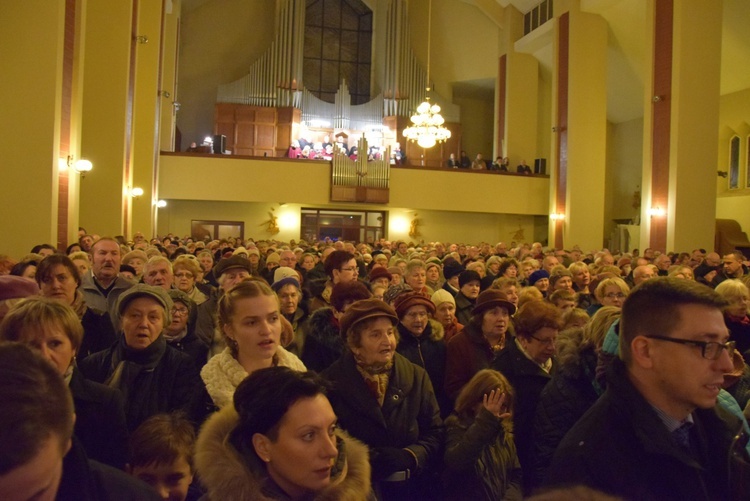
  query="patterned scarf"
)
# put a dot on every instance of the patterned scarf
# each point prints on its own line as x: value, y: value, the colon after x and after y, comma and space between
x: 376, y: 378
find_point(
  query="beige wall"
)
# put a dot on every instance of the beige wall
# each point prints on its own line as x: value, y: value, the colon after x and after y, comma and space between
x: 477, y: 124
x: 623, y: 176
x: 733, y: 119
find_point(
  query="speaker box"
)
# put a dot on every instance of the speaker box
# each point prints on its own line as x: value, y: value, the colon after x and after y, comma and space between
x: 220, y: 144
x: 540, y: 166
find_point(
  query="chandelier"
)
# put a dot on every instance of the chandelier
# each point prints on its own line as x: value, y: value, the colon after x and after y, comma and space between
x: 427, y: 123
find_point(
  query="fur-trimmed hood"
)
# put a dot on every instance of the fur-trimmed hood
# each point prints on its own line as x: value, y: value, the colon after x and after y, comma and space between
x: 324, y: 329
x: 436, y: 330
x: 229, y: 477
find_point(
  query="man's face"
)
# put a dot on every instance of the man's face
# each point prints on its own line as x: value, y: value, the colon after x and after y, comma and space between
x: 663, y: 262
x: 288, y: 259
x: 550, y: 262
x: 642, y: 273
x: 232, y: 277
x: 106, y: 260
x: 732, y: 267
x: 159, y: 275
x: 170, y: 480
x: 38, y: 478
x: 682, y: 379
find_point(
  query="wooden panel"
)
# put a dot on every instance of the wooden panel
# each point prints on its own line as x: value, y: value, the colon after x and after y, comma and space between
x: 245, y: 114
x: 225, y: 112
x: 265, y: 115
x: 561, y: 178
x: 661, y: 120
x: 285, y: 115
x: 227, y: 129
x: 343, y: 193
x: 245, y: 135
x: 263, y: 152
x: 265, y: 136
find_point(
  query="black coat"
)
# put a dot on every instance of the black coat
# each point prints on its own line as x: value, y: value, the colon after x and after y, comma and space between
x: 193, y: 347
x: 323, y: 344
x: 98, y: 332
x: 173, y: 384
x: 528, y: 380
x: 100, y: 421
x: 740, y: 333
x: 409, y: 417
x: 428, y: 351
x: 621, y: 446
x: 464, y: 305
x: 567, y: 397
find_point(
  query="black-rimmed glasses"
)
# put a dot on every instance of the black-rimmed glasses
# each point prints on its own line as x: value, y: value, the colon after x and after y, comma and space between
x: 709, y: 349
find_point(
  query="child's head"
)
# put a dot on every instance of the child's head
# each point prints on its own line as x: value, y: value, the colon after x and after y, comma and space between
x: 162, y: 455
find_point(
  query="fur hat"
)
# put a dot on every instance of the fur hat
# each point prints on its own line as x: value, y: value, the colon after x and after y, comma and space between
x: 467, y: 276
x: 451, y: 269
x: 379, y: 272
x: 394, y: 291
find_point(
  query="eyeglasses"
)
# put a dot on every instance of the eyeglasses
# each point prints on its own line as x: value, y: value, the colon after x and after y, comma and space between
x: 180, y: 311
x: 709, y: 349
x: 615, y: 295
x: 355, y: 269
x: 183, y: 274
x: 546, y: 342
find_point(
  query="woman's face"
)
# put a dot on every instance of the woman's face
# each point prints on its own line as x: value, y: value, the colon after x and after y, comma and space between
x: 256, y: 327
x: 433, y: 274
x: 415, y: 319
x: 53, y: 344
x: 178, y: 318
x: 564, y: 283
x: 377, y: 343
x: 613, y: 296
x: 542, y: 284
x: 738, y: 305
x: 137, y: 264
x: 301, y: 458
x: 511, y: 272
x: 495, y: 322
x: 541, y: 345
x: 59, y: 284
x: 184, y: 279
x: 582, y: 277
x: 29, y: 272
x: 417, y: 279
x: 512, y: 293
x: 142, y: 322
x: 494, y: 267
x: 82, y: 265
x: 445, y: 313
x: 308, y: 263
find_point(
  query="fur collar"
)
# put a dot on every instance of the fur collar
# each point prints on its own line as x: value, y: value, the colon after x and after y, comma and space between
x: 223, y: 373
x: 229, y: 477
x: 324, y: 331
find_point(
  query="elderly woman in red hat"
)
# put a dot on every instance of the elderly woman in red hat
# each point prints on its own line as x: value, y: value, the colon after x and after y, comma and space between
x: 475, y: 347
x: 387, y: 402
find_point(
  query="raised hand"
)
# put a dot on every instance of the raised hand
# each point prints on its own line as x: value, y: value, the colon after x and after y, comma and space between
x: 494, y: 402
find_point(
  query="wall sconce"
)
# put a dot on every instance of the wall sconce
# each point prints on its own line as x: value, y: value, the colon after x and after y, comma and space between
x: 136, y: 192
x: 160, y: 204
x: 723, y: 173
x: 81, y: 166
x: 557, y: 216
x: 656, y: 212
x: 141, y: 38
x: 164, y: 93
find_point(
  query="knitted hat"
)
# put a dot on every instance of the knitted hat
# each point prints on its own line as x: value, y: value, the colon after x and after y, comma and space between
x: 467, y: 276
x: 379, y: 272
x: 451, y: 269
x: 239, y: 250
x: 394, y: 290
x: 403, y: 302
x: 442, y: 296
x: 253, y: 251
x: 273, y: 258
x: 283, y: 275
x: 177, y: 295
x: 143, y: 290
x: 395, y: 270
x: 134, y: 254
x: 490, y: 299
x: 431, y: 264
x: 15, y: 287
x: 362, y: 310
x: 538, y: 275
x: 231, y: 263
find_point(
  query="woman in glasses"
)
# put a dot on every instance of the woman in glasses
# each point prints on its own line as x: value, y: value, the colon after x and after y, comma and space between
x: 610, y: 292
x: 528, y: 362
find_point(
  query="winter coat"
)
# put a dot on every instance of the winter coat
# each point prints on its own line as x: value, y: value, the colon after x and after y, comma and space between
x: 155, y: 380
x: 622, y: 447
x: 528, y: 379
x: 100, y: 421
x: 223, y: 374
x: 95, y: 299
x: 205, y: 324
x: 98, y: 332
x: 567, y: 397
x: 480, y: 459
x: 193, y: 347
x: 463, y: 308
x: 739, y: 331
x: 409, y: 417
x: 299, y: 322
x: 228, y: 476
x: 428, y: 352
x: 468, y: 353
x: 323, y: 344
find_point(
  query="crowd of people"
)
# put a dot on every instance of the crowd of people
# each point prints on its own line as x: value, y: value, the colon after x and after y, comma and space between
x: 501, y: 164
x: 248, y: 370
x: 307, y: 148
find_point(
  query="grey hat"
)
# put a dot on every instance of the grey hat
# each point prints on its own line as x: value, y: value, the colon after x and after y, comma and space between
x: 178, y: 295
x: 143, y: 290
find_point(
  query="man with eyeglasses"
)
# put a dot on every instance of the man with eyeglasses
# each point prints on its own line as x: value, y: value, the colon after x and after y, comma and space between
x: 657, y: 433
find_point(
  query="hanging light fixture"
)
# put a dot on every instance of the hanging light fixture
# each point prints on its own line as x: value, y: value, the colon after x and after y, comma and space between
x: 427, y: 123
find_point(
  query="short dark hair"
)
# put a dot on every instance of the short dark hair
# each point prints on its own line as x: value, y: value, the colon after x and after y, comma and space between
x: 348, y: 292
x: 264, y: 397
x: 652, y: 308
x: 44, y: 269
x: 36, y: 405
x: 162, y: 439
x: 37, y: 248
x: 336, y: 260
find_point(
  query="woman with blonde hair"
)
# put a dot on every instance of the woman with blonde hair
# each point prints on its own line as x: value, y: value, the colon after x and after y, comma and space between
x: 610, y: 291
x: 736, y: 316
x: 187, y: 272
x: 251, y: 324
x: 480, y: 456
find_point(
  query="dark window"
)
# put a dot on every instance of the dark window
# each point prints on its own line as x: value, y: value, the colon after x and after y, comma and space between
x: 338, y: 46
x: 358, y: 226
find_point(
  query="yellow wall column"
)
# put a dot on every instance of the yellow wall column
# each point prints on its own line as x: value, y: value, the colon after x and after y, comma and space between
x: 695, y: 120
x: 105, y: 131
x: 32, y: 33
x: 146, y: 114
x: 585, y: 131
